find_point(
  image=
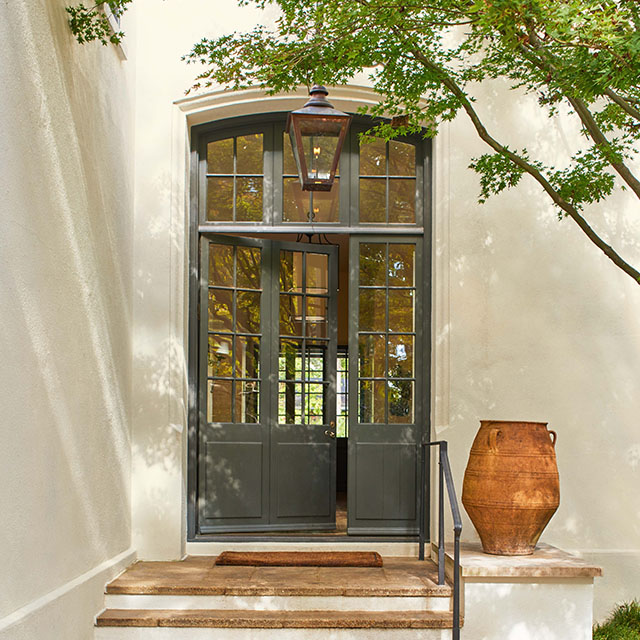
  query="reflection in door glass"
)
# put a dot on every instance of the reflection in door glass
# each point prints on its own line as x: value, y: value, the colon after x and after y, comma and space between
x: 386, y: 333
x: 387, y: 182
x: 234, y: 327
x: 302, y: 361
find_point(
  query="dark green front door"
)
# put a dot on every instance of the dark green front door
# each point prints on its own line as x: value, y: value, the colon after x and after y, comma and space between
x: 267, y: 451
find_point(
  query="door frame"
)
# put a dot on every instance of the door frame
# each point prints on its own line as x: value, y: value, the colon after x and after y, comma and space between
x: 196, y: 229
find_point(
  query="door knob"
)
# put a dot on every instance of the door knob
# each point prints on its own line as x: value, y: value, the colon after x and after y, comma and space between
x: 331, y: 434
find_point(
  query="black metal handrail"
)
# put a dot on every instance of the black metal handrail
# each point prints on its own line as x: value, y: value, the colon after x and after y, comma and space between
x: 444, y: 478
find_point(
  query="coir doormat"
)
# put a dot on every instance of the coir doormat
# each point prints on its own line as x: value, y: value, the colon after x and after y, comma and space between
x: 300, y: 559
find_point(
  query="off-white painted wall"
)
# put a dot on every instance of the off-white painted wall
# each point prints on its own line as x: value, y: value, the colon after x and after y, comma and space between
x: 530, y: 321
x: 65, y: 289
x: 527, y: 610
x: 533, y: 323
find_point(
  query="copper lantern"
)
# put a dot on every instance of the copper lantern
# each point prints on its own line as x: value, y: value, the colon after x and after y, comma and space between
x: 317, y: 134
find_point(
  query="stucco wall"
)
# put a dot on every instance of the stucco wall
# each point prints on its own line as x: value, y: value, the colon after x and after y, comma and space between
x: 530, y: 320
x: 66, y: 305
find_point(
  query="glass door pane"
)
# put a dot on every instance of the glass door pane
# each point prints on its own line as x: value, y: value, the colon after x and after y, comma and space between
x: 303, y: 367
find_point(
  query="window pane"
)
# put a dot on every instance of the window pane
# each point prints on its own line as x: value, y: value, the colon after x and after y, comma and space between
x: 400, y: 401
x: 325, y: 204
x: 290, y: 403
x: 401, y: 357
x: 401, y: 261
x: 219, y: 405
x: 402, y: 201
x: 296, y: 202
x: 401, y: 311
x: 373, y: 196
x: 220, y: 352
x: 317, y: 273
x: 247, y: 357
x: 371, y: 356
x: 248, y: 199
x: 220, y: 156
x: 247, y: 402
x: 248, y: 268
x: 249, y: 154
x: 373, y: 158
x: 402, y: 159
x: 290, y: 360
x: 316, y: 317
x: 248, y: 311
x: 291, y: 271
x: 372, y: 310
x: 314, y: 399
x: 288, y: 159
x: 220, y: 310
x: 220, y: 199
x: 371, y: 401
x: 290, y: 315
x: 315, y: 364
x: 220, y: 265
x: 373, y: 264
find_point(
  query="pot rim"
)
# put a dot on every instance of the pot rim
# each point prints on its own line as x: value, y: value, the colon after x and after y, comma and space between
x: 515, y: 422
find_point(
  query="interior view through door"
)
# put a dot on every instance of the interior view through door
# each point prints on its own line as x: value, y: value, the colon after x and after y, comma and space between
x: 291, y: 328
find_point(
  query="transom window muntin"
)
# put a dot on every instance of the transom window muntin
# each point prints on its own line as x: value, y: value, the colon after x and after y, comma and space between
x: 237, y: 191
x: 235, y: 179
x: 387, y: 182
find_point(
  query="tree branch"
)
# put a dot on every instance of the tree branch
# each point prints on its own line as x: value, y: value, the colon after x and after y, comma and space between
x: 533, y: 171
x: 623, y: 104
x: 582, y: 112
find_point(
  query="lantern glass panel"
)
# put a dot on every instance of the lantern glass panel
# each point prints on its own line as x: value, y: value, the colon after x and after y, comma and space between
x: 319, y: 153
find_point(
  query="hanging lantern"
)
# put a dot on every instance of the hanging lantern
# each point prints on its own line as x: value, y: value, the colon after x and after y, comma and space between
x: 317, y: 134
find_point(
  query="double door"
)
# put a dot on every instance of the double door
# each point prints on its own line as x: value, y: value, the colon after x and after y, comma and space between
x: 267, y: 447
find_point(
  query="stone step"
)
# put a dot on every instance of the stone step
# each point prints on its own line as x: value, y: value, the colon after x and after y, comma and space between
x: 119, y: 624
x: 199, y: 575
x: 296, y: 602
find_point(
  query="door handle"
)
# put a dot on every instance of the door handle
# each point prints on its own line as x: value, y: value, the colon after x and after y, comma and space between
x: 331, y: 430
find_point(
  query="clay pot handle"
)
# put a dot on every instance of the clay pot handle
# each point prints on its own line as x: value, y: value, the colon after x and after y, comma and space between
x: 554, y: 437
x: 493, y: 439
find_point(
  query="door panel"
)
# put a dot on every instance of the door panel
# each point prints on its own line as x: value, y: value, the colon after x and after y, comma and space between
x: 268, y: 385
x: 233, y: 480
x: 303, y: 445
x: 384, y: 418
x: 233, y: 458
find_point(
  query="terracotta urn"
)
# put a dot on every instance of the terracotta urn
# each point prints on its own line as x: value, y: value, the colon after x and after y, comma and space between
x: 511, y: 487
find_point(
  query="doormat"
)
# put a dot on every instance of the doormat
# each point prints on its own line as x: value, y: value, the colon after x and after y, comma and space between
x: 300, y: 559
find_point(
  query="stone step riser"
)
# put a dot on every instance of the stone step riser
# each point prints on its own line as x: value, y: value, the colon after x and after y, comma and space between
x: 145, y: 633
x: 280, y: 603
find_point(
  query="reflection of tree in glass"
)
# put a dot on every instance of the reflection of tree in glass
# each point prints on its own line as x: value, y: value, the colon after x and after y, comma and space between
x: 248, y: 199
x: 400, y: 400
x: 246, y: 175
x: 373, y: 262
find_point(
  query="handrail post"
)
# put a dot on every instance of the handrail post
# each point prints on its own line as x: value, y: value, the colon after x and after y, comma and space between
x: 423, y: 499
x: 442, y: 451
x: 456, y: 585
x: 444, y: 475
